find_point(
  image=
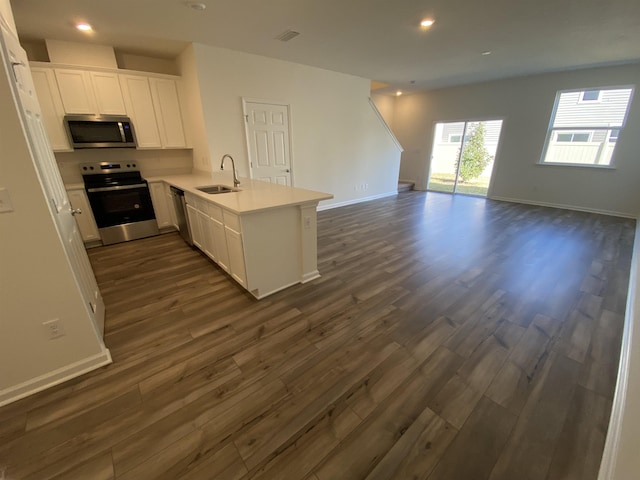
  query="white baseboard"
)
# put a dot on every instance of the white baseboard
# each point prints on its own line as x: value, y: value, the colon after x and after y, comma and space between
x: 55, y: 377
x: 307, y: 277
x: 564, y: 207
x: 356, y: 200
x: 260, y: 295
x: 621, y: 408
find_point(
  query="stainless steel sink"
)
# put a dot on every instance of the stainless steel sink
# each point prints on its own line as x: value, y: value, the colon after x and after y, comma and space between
x: 213, y: 189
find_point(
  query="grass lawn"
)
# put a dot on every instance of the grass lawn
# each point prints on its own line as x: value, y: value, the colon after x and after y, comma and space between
x: 443, y: 182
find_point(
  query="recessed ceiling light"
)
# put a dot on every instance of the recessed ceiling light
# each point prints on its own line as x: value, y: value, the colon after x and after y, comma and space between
x: 85, y: 27
x: 487, y: 52
x: 427, y: 22
x: 398, y: 93
x: 196, y: 6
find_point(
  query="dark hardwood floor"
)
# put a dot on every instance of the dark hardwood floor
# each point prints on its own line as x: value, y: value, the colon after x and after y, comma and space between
x: 449, y: 338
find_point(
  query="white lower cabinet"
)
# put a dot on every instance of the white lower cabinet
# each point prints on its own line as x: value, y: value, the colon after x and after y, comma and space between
x: 194, y: 226
x: 220, y: 242
x: 86, y: 222
x: 172, y: 207
x: 264, y: 251
x: 207, y: 235
x: 218, y: 235
x: 162, y: 205
x: 236, y: 256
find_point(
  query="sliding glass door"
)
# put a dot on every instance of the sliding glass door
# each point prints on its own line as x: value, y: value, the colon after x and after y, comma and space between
x: 462, y: 156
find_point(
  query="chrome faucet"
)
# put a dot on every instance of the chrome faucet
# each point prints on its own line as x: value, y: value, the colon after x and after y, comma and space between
x: 236, y: 182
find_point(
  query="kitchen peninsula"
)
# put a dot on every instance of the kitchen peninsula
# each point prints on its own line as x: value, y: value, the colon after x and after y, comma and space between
x: 264, y: 235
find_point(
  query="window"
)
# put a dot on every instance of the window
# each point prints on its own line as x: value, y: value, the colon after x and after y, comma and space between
x: 573, y: 137
x: 585, y: 126
x: 455, y: 138
x: 590, y: 96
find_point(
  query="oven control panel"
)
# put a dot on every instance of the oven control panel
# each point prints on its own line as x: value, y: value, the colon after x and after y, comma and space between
x: 108, y: 167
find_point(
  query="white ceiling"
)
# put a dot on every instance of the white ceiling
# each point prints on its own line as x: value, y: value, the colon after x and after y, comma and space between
x: 376, y: 39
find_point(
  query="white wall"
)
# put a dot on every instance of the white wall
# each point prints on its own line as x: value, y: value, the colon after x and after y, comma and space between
x: 36, y: 283
x: 385, y: 105
x: 338, y: 140
x: 76, y: 53
x: 142, y: 63
x: 194, y: 121
x: 526, y: 104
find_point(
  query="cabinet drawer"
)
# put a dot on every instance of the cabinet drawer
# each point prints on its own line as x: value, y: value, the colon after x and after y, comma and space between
x: 201, y: 205
x: 190, y: 198
x: 215, y: 212
x: 232, y: 221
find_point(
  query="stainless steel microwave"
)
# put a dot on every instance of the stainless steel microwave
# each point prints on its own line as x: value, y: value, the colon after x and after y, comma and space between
x: 100, y: 131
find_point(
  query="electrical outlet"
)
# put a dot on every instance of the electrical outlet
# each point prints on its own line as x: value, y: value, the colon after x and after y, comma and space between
x: 307, y: 223
x: 53, y: 328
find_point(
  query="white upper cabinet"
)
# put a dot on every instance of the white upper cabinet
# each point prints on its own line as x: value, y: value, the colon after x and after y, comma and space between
x: 76, y: 91
x: 139, y: 104
x: 106, y: 87
x: 86, y: 92
x: 151, y: 101
x: 44, y: 81
x: 166, y: 102
x: 154, y: 106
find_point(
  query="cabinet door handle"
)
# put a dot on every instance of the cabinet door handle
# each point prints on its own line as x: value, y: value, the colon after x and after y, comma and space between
x: 76, y: 211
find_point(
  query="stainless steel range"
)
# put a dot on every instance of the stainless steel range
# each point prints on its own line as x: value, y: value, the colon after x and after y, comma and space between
x: 120, y: 201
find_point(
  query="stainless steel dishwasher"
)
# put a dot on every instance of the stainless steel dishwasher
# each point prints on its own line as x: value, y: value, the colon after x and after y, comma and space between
x: 180, y: 205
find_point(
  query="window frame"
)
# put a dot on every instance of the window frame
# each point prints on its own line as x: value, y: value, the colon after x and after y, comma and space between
x: 551, y: 129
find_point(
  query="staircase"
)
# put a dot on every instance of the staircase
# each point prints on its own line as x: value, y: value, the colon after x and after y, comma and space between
x: 405, y: 186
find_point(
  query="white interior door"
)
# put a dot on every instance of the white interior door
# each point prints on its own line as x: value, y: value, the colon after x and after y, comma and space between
x: 267, y: 129
x: 49, y: 175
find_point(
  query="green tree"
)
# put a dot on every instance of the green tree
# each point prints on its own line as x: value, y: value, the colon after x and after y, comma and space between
x: 475, y: 156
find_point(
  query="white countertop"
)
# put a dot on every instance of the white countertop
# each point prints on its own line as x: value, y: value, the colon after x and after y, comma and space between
x: 253, y: 195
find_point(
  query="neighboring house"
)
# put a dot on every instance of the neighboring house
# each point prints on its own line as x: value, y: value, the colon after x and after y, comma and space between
x: 584, y: 128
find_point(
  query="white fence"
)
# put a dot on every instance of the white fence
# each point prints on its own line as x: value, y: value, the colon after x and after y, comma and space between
x: 589, y: 153
x: 445, y: 156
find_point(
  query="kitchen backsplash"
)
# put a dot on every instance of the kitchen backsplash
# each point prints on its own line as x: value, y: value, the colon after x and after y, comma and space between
x: 151, y: 162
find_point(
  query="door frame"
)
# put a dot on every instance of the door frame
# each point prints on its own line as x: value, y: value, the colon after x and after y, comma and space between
x: 496, y: 163
x: 245, y: 121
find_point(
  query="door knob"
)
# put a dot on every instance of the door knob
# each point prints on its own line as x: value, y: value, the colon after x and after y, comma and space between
x: 287, y: 170
x: 76, y: 211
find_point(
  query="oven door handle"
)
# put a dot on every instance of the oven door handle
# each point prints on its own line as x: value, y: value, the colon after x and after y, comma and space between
x: 117, y: 187
x: 122, y: 135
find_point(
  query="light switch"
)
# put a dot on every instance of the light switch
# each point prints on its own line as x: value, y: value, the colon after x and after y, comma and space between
x: 5, y: 201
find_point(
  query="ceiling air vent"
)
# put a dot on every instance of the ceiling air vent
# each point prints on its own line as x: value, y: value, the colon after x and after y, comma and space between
x: 287, y: 35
